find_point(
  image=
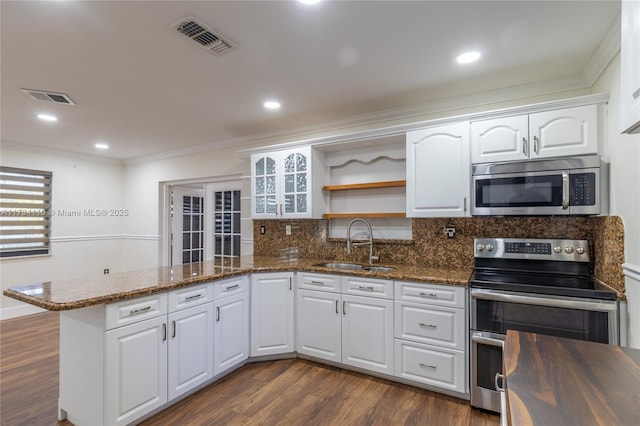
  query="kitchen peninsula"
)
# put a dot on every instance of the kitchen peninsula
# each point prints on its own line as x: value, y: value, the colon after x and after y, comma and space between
x: 134, y: 343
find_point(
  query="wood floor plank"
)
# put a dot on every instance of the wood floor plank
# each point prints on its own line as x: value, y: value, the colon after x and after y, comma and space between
x: 288, y: 392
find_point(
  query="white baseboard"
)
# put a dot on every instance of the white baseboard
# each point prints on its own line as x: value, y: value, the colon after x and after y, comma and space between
x: 19, y: 311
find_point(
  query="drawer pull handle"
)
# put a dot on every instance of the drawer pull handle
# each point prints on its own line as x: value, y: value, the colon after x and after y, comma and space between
x: 432, y: 295
x: 317, y: 283
x: 195, y: 296
x: 365, y: 287
x: 427, y: 325
x: 139, y: 311
x: 427, y: 366
x: 231, y: 287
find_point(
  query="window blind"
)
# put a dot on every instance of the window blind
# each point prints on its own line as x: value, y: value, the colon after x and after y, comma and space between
x: 25, y: 200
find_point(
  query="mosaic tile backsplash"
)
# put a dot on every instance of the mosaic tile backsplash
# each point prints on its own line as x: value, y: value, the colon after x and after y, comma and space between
x: 430, y: 247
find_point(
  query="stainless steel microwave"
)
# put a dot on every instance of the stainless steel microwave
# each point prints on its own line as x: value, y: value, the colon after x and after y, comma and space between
x: 559, y: 186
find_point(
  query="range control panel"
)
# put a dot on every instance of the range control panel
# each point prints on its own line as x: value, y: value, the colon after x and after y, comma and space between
x: 511, y: 248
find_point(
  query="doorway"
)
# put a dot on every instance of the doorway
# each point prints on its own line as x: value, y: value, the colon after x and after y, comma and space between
x: 204, y: 221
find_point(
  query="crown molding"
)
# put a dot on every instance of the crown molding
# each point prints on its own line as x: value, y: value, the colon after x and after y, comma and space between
x: 606, y: 51
x: 341, y: 128
x: 60, y: 152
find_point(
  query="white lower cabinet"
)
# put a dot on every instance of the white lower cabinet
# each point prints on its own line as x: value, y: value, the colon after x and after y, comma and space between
x: 430, y: 329
x: 319, y: 324
x: 367, y: 333
x: 352, y: 330
x: 135, y: 370
x: 190, y: 360
x: 272, y: 325
x: 230, y: 332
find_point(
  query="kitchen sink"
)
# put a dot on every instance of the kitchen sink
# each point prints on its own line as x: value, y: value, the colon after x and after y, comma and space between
x: 354, y: 267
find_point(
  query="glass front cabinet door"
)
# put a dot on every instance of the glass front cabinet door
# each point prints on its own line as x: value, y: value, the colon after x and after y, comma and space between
x: 281, y: 184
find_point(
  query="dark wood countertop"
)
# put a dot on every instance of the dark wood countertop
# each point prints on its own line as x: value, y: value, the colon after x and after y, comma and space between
x: 556, y: 381
x: 73, y: 294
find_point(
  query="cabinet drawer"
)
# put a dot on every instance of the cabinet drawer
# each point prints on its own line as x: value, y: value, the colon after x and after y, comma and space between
x: 134, y: 310
x: 190, y: 296
x: 442, y: 368
x: 230, y: 287
x: 367, y: 287
x: 320, y: 282
x: 434, y: 294
x: 442, y: 326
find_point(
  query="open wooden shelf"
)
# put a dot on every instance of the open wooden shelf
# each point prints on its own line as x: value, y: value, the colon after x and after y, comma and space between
x: 369, y: 185
x: 370, y: 215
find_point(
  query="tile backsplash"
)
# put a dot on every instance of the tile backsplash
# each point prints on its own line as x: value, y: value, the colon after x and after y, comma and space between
x: 431, y: 247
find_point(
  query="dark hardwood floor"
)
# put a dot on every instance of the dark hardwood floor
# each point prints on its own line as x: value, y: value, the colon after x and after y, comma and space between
x: 291, y: 392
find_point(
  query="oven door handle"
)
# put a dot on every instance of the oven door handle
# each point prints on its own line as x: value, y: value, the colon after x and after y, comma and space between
x: 600, y: 306
x: 488, y: 341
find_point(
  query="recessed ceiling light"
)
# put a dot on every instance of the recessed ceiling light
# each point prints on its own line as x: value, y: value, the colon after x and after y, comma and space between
x: 272, y: 104
x: 47, y: 117
x: 468, y: 57
x: 101, y: 146
x: 309, y: 1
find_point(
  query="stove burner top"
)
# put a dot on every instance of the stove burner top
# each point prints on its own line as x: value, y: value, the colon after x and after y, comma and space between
x: 535, y: 266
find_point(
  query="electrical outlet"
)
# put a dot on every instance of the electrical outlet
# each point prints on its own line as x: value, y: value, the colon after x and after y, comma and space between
x: 106, y: 271
x: 262, y: 230
x: 449, y: 231
x: 287, y: 229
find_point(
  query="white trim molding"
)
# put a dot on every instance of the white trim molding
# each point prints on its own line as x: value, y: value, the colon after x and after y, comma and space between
x: 606, y: 51
x: 19, y: 311
x: 631, y: 271
x: 78, y: 238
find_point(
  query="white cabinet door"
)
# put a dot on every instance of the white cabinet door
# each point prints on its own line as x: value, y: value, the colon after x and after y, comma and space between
x: 630, y: 67
x: 135, y: 370
x: 438, y: 171
x: 367, y: 333
x: 281, y: 184
x: 564, y: 132
x: 500, y: 139
x: 271, y: 313
x: 231, y: 332
x: 318, y: 324
x: 190, y: 348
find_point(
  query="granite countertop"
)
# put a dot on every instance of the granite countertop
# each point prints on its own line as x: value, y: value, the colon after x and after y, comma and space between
x: 78, y: 293
x: 557, y: 381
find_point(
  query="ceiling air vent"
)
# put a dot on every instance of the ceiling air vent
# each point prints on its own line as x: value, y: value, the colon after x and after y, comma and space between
x: 206, y: 38
x: 41, y: 95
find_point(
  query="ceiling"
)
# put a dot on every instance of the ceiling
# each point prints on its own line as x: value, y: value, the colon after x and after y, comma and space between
x: 143, y: 88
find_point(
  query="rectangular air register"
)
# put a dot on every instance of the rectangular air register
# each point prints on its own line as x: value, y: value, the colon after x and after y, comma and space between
x: 42, y: 95
x: 206, y: 38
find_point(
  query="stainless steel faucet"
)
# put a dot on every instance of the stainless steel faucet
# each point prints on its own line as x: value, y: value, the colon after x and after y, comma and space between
x: 350, y: 244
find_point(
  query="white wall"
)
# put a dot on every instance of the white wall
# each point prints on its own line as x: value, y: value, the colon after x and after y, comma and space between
x: 80, y: 245
x: 624, y: 154
x: 143, y: 184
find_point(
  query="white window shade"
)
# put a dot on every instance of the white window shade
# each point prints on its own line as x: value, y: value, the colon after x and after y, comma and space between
x: 25, y: 200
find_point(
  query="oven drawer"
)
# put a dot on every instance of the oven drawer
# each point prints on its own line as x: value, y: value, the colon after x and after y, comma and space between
x: 433, y: 294
x: 439, y: 367
x: 433, y: 325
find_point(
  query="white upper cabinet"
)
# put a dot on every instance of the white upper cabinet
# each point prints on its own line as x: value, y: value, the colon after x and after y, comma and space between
x: 630, y: 67
x: 282, y: 184
x: 438, y: 171
x: 556, y: 133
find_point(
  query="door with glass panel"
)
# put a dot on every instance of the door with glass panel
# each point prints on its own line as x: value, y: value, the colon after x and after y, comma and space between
x: 187, y: 223
x: 226, y: 223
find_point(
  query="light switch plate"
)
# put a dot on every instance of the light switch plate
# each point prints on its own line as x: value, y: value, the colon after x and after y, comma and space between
x: 287, y: 229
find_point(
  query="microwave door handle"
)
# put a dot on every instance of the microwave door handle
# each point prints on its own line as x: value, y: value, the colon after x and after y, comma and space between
x: 565, y: 190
